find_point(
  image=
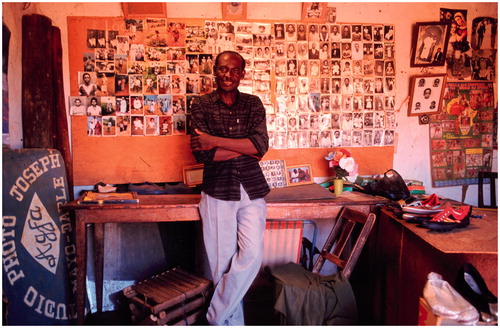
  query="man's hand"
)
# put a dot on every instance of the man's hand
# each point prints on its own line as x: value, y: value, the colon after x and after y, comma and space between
x: 203, y: 141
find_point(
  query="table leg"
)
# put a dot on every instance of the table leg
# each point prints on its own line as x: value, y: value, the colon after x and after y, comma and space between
x: 98, y: 263
x: 81, y: 262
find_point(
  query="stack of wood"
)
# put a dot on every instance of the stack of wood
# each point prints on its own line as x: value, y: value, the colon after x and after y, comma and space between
x: 174, y: 297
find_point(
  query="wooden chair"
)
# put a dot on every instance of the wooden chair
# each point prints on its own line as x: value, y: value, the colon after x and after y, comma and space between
x: 307, y: 298
x: 337, y: 249
x: 492, y: 176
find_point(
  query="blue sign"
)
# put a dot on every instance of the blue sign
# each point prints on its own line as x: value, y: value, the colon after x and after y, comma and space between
x: 38, y: 246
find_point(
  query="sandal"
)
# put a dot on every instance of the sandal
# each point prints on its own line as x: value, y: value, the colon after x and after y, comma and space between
x: 450, y: 218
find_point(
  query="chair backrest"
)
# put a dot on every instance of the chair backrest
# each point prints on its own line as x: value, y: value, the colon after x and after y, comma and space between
x: 337, y: 249
x: 492, y: 176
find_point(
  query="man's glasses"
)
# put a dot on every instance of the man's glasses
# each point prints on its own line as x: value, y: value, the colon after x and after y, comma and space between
x: 225, y: 69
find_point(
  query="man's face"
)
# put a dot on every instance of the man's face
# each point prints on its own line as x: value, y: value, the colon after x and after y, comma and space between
x: 78, y: 102
x: 86, y: 78
x: 228, y: 72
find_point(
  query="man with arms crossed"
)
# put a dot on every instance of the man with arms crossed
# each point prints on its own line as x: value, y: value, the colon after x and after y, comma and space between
x: 230, y: 137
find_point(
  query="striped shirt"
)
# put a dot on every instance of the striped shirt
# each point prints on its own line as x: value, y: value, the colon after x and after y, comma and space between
x: 246, y: 118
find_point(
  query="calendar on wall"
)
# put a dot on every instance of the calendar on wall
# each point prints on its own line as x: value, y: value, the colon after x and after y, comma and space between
x: 323, y: 85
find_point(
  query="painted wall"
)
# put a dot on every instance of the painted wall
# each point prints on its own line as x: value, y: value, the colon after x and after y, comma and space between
x: 411, y: 158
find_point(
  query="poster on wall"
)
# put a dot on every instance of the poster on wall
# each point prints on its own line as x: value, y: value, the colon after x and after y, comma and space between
x: 462, y: 134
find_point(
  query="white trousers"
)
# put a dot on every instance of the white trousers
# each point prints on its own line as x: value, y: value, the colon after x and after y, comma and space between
x: 233, y: 233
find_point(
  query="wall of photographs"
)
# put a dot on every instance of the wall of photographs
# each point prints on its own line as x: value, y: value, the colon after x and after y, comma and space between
x: 323, y: 85
x: 144, y: 74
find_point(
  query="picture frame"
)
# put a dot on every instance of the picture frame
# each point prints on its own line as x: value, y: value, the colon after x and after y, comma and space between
x: 299, y: 175
x: 430, y: 44
x: 144, y: 9
x: 426, y: 94
x: 314, y: 12
x: 193, y: 175
x: 234, y: 10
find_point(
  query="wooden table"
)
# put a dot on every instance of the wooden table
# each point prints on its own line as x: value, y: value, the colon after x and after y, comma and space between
x: 406, y: 253
x: 165, y: 208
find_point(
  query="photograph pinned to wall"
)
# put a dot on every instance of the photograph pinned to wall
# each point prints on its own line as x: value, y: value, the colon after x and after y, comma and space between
x: 123, y: 125
x: 109, y: 125
x: 234, y: 10
x: 484, y: 64
x: 331, y: 15
x: 430, y: 44
x: 484, y: 33
x: 426, y: 94
x: 314, y: 12
x: 165, y: 125
x: 274, y: 172
x: 94, y: 126
x: 299, y: 175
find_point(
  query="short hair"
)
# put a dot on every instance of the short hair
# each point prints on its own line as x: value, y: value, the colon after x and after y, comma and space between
x: 233, y: 53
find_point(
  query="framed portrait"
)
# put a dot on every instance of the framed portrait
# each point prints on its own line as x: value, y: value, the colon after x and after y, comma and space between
x: 193, y: 175
x: 234, y: 10
x: 426, y: 94
x: 314, y: 12
x: 430, y: 43
x: 299, y: 175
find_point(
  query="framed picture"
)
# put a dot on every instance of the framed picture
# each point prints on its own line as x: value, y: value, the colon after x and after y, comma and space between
x: 234, y: 10
x: 193, y: 175
x: 426, y: 94
x: 314, y: 12
x: 144, y: 9
x: 299, y: 175
x: 430, y: 42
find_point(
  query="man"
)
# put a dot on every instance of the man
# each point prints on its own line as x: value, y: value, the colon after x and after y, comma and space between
x: 87, y: 88
x: 230, y: 136
x: 78, y: 108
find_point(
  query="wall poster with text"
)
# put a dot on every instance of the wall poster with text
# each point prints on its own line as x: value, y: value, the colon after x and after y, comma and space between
x: 462, y: 134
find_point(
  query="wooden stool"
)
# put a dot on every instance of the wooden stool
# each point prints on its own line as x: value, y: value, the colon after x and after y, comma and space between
x: 174, y: 297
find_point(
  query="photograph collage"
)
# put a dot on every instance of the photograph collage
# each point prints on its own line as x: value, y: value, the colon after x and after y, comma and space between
x: 323, y: 85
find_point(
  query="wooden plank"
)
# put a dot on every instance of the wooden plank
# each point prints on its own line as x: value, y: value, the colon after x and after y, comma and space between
x: 37, y: 88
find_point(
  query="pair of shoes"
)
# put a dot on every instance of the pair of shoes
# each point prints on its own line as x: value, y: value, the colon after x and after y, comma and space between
x: 470, y: 284
x: 449, y: 218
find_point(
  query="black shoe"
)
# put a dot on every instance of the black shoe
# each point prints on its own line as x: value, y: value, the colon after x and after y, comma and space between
x: 470, y: 284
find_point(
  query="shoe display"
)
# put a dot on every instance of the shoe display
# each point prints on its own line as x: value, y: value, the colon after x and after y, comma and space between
x: 449, y: 218
x: 470, y: 284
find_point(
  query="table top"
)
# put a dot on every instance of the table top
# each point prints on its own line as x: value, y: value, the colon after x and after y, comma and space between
x: 480, y: 236
x: 192, y: 200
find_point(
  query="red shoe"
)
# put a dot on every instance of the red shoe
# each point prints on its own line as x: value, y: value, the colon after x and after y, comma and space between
x: 450, y: 218
x: 432, y: 200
